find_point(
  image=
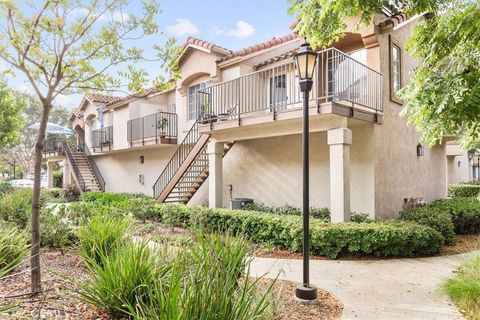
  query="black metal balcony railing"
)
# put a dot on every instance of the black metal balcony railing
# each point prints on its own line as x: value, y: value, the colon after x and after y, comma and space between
x: 54, y: 144
x: 160, y: 126
x: 338, y: 78
x: 102, y: 138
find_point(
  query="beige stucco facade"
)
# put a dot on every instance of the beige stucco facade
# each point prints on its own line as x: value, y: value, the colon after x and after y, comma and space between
x: 374, y: 167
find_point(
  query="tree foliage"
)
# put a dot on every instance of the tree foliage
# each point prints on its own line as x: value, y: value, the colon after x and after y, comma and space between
x: 443, y: 96
x: 322, y: 22
x: 20, y: 152
x: 10, y: 118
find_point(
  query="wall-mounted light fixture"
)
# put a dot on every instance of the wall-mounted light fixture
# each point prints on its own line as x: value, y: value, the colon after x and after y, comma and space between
x: 459, y: 163
x: 141, y: 178
x: 141, y: 159
x: 420, y: 150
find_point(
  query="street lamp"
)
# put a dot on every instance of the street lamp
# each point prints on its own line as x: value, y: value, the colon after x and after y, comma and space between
x: 305, y: 60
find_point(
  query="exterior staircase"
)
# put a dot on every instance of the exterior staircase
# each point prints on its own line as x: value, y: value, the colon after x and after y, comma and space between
x: 86, y: 173
x: 187, y: 169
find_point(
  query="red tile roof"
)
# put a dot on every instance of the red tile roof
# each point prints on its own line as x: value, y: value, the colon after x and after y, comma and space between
x: 207, y: 45
x: 75, y: 113
x: 260, y: 46
x: 282, y: 56
x: 102, y: 98
x: 393, y: 21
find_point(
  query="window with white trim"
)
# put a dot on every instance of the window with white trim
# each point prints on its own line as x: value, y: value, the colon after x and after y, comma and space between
x: 193, y: 98
x: 396, y: 68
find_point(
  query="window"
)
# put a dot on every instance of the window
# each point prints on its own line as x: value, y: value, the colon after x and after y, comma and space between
x: 193, y: 98
x: 278, y: 91
x: 395, y: 70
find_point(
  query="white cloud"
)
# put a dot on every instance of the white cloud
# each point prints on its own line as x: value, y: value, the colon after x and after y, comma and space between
x: 68, y: 101
x: 182, y: 27
x: 242, y: 30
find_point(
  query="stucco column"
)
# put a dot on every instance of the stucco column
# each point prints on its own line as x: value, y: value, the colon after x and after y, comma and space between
x: 215, y: 179
x: 66, y: 173
x: 339, y: 141
x: 50, y: 173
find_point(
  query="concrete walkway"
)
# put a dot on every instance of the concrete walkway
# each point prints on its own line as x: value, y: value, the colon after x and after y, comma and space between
x: 377, y: 289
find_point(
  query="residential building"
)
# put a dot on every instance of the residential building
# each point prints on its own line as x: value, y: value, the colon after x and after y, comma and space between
x: 232, y: 127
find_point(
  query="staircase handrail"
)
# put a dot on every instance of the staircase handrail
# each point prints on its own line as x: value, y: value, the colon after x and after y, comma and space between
x: 74, y: 163
x: 177, y: 159
x: 93, y: 165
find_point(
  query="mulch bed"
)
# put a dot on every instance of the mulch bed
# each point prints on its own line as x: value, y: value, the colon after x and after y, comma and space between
x: 58, y: 301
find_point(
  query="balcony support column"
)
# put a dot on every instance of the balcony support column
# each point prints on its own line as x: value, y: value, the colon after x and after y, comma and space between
x: 339, y: 141
x: 50, y: 173
x: 215, y: 179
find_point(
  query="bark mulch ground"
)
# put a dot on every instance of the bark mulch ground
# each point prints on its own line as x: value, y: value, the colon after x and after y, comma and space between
x: 58, y: 301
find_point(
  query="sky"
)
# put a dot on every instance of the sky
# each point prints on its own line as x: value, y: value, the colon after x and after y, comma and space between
x: 228, y: 23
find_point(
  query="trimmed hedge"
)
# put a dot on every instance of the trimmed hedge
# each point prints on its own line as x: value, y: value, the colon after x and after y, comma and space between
x: 381, y: 239
x: 434, y: 218
x: 464, y: 190
x: 465, y: 213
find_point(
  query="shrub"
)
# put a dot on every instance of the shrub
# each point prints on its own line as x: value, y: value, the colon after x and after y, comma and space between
x: 142, y: 208
x: 16, y: 207
x: 5, y: 187
x: 433, y: 217
x: 99, y: 236
x: 465, y: 213
x: 463, y: 190
x: 108, y: 198
x: 123, y: 278
x: 71, y: 193
x: 382, y: 239
x: 317, y: 213
x: 57, y: 179
x: 174, y: 215
x: 58, y: 230
x: 13, y: 248
x: 376, y: 239
x: 360, y: 217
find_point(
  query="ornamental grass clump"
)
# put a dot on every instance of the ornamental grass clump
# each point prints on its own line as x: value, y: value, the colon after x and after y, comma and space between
x: 124, y: 277
x: 13, y: 248
x: 100, y: 236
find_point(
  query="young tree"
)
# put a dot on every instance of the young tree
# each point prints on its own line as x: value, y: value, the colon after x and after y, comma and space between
x: 443, y: 95
x: 21, y: 151
x: 69, y: 46
x: 10, y: 116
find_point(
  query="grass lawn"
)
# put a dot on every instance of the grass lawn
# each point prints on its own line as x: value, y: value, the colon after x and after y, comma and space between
x: 464, y: 289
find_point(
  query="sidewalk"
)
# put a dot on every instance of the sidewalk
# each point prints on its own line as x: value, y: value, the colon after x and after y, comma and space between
x: 377, y: 289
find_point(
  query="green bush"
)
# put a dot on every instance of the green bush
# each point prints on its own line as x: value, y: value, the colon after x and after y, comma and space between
x: 142, y: 208
x: 465, y: 213
x: 381, y: 239
x: 317, y: 213
x: 58, y: 230
x: 13, y: 248
x: 5, y: 187
x: 100, y: 235
x: 360, y: 217
x: 435, y: 218
x: 463, y: 190
x: 16, y: 207
x: 123, y: 278
x: 57, y: 179
x: 387, y: 239
x: 71, y: 193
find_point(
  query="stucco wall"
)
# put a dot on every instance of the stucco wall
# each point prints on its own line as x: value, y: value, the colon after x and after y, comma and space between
x: 399, y: 173
x: 459, y: 169
x: 121, y: 170
x: 269, y: 170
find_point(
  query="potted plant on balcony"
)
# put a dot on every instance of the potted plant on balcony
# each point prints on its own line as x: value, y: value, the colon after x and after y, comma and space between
x: 162, y: 124
x: 206, y: 114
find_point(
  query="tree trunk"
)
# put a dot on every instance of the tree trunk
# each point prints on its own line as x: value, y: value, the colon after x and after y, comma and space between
x: 36, y: 285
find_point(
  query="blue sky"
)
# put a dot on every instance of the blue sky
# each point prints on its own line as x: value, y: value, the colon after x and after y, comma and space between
x: 231, y: 24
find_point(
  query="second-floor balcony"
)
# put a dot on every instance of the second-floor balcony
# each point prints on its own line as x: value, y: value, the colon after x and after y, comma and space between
x: 102, y: 139
x: 157, y: 128
x: 341, y: 86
